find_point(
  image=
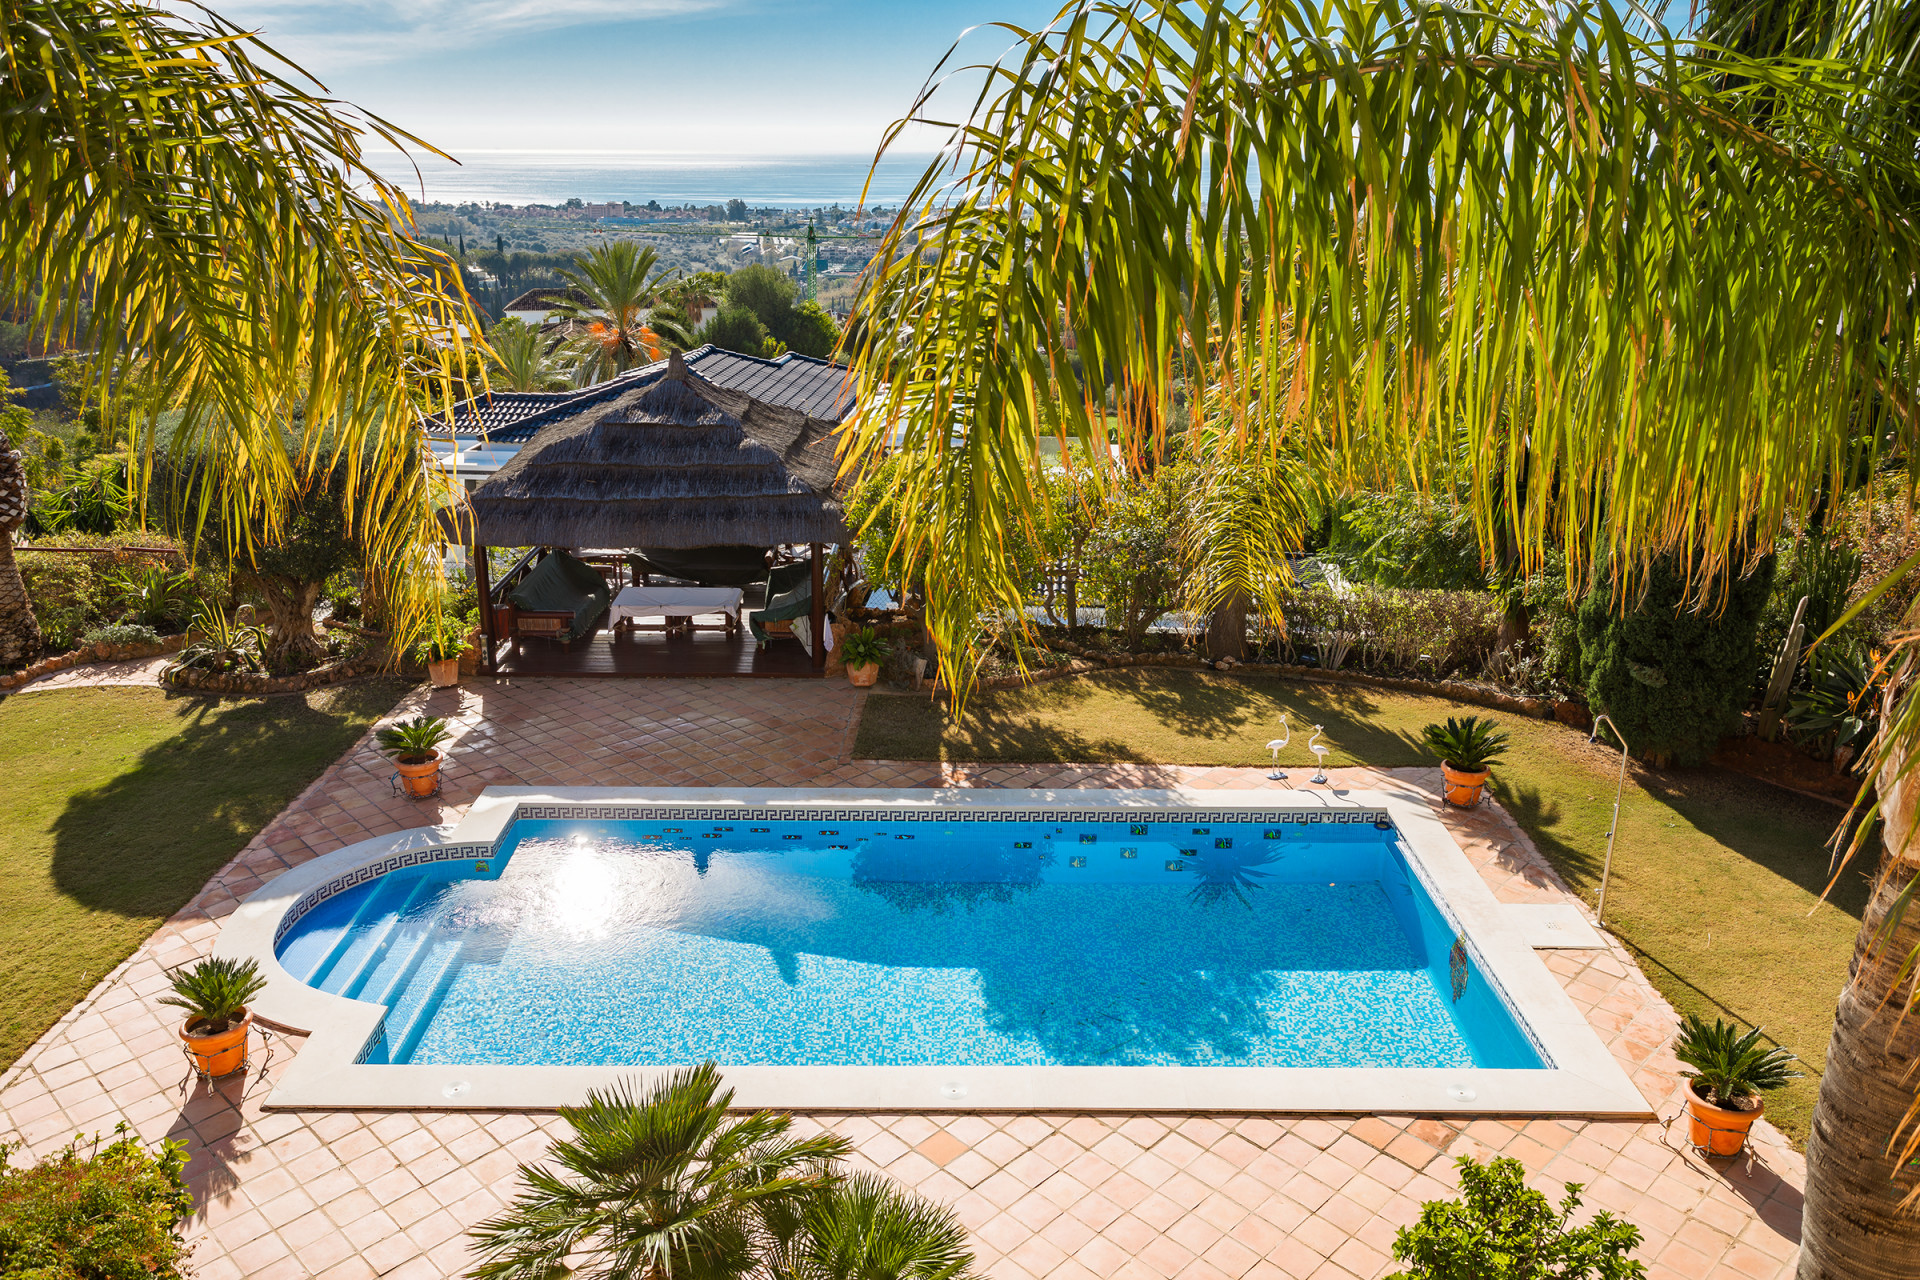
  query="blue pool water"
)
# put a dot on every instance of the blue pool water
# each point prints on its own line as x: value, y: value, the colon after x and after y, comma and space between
x: 913, y: 943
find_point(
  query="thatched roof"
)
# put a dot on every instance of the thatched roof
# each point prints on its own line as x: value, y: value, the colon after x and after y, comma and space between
x: 677, y: 463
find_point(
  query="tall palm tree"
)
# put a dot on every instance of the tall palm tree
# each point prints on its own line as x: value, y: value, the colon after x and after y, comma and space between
x: 656, y: 1186
x: 521, y: 358
x: 19, y: 629
x: 619, y: 283
x: 174, y: 189
x: 1651, y: 294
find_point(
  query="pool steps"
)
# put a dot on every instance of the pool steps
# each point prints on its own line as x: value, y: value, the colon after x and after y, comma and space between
x: 367, y: 960
x: 369, y: 905
x: 401, y: 1042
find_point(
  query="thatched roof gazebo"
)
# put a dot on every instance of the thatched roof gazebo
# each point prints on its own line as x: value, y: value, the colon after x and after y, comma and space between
x: 676, y: 464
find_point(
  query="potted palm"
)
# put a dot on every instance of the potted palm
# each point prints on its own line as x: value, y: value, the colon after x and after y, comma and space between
x: 1729, y: 1073
x: 415, y: 747
x: 1467, y: 748
x: 214, y: 994
x: 863, y: 653
x: 440, y: 649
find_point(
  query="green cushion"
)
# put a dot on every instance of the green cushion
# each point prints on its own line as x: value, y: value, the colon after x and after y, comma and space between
x: 789, y: 596
x: 562, y: 584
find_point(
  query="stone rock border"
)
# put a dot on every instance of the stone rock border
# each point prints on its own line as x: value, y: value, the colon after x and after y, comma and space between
x: 94, y: 653
x: 1566, y: 711
x: 257, y: 682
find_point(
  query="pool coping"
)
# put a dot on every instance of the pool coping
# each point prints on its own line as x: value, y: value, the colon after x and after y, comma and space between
x: 1583, y: 1079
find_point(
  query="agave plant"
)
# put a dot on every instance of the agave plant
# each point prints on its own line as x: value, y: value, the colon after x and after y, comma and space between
x: 215, y: 992
x: 221, y: 644
x: 1729, y: 1068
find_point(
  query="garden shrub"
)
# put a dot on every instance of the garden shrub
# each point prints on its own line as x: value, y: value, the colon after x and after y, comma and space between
x: 67, y: 595
x: 112, y: 1213
x: 1409, y: 631
x: 1672, y: 677
x: 1406, y: 540
x: 1132, y: 562
x: 119, y: 633
x: 1502, y: 1229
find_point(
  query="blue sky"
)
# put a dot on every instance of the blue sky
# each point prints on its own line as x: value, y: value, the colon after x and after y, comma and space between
x: 703, y: 77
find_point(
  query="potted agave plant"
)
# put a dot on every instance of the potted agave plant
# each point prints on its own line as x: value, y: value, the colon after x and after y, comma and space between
x: 863, y: 653
x: 1467, y: 749
x: 440, y: 649
x: 415, y: 747
x: 214, y: 994
x: 1729, y: 1073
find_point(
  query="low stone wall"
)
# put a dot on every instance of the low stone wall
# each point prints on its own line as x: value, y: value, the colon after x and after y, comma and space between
x: 94, y: 653
x: 257, y: 682
x: 1084, y: 661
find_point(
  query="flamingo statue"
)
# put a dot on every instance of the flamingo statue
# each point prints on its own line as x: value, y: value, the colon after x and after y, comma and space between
x: 1286, y: 736
x: 1320, y: 751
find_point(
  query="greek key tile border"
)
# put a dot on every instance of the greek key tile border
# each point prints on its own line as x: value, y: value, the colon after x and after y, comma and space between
x: 373, y: 870
x: 800, y: 813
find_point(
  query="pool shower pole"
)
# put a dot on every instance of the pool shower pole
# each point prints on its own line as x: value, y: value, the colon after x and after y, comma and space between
x: 1613, y: 828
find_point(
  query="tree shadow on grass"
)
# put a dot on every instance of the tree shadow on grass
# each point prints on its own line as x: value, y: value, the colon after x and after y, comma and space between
x: 144, y: 844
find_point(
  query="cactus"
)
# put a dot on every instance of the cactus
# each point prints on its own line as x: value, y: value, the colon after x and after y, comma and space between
x: 19, y: 630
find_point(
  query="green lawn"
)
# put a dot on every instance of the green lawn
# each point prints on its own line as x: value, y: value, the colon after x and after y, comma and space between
x: 120, y: 803
x: 1716, y: 877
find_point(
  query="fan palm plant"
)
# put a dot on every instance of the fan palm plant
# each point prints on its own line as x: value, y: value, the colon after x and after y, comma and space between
x: 619, y: 283
x: 655, y: 1185
x: 1632, y: 291
x: 521, y: 358
x: 177, y: 192
x: 867, y: 1228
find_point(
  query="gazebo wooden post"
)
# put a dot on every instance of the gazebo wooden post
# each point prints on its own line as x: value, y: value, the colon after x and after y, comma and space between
x: 484, y: 588
x: 819, y: 607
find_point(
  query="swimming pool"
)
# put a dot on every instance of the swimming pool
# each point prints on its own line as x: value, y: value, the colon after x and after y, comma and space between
x: 1217, y: 950
x: 877, y: 942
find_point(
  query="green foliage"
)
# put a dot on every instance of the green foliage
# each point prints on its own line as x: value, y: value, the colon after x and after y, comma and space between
x: 770, y: 295
x: 96, y: 502
x: 220, y: 644
x: 656, y: 1183
x: 867, y: 1228
x: 413, y: 741
x: 766, y: 291
x: 736, y: 328
x: 1840, y: 708
x: 155, y: 594
x: 1672, y: 677
x: 1407, y: 539
x: 1132, y: 561
x: 68, y: 596
x: 864, y: 648
x: 1727, y: 1067
x: 1502, y: 1229
x: 811, y: 331
x: 445, y: 637
x: 1469, y: 745
x: 521, y: 358
x: 113, y: 1213
x: 215, y: 991
x: 121, y: 633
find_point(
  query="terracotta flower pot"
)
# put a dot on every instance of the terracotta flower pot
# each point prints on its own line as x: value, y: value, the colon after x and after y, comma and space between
x: 223, y: 1052
x: 863, y: 676
x: 419, y: 778
x: 1464, y: 789
x: 1719, y: 1131
x: 444, y: 674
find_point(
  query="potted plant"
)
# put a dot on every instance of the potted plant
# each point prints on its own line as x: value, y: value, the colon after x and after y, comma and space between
x: 1466, y: 749
x: 1730, y: 1071
x: 215, y: 993
x: 414, y: 745
x: 440, y: 649
x: 863, y: 653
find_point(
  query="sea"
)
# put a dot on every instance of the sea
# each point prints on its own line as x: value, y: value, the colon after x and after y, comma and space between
x: 596, y: 177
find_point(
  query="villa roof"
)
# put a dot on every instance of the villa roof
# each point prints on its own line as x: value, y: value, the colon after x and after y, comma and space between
x: 816, y: 388
x: 672, y: 461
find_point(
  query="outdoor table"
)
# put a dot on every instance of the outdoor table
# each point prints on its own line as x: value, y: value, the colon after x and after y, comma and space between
x: 676, y: 606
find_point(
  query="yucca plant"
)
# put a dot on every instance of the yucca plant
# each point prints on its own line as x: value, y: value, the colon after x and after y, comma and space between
x: 220, y: 645
x: 155, y: 594
x: 413, y: 741
x: 1728, y: 1068
x: 1469, y: 745
x: 215, y: 992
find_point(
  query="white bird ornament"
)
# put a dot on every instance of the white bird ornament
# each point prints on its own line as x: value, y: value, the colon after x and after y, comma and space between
x: 1320, y: 751
x: 1286, y: 736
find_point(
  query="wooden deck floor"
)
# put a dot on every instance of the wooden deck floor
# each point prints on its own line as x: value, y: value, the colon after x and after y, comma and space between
x: 652, y: 653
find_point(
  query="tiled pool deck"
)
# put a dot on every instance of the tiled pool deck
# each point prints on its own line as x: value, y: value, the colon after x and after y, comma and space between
x: 343, y: 1194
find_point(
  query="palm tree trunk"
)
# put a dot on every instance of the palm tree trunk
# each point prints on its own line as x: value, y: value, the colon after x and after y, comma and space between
x: 1853, y: 1227
x: 19, y: 629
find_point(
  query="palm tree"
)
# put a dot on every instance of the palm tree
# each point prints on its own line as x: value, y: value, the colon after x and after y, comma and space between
x: 1636, y: 293
x: 867, y: 1228
x: 656, y: 1185
x: 521, y: 358
x: 19, y: 630
x: 619, y: 282
x: 180, y: 195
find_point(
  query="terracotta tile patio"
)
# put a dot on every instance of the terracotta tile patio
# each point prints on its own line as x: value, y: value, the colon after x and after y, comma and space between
x: 341, y: 1194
